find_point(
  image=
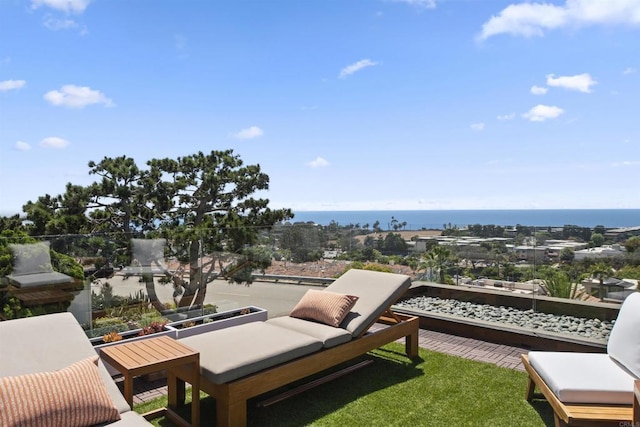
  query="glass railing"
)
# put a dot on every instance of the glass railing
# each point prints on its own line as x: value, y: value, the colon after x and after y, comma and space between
x: 116, y: 282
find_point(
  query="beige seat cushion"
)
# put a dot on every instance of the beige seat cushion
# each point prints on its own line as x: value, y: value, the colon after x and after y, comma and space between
x: 232, y: 353
x: 590, y: 378
x: 329, y: 335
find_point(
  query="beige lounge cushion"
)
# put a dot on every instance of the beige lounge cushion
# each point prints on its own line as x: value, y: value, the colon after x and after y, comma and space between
x: 325, y: 307
x: 232, y: 353
x: 624, y: 340
x: 583, y: 377
x: 376, y: 292
x: 49, y: 343
x: 72, y: 396
x: 329, y: 335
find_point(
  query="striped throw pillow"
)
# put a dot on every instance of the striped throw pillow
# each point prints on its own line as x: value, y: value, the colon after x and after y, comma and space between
x: 72, y: 396
x: 324, y: 306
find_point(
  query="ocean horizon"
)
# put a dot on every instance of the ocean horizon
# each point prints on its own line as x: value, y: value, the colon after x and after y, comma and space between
x: 436, y: 219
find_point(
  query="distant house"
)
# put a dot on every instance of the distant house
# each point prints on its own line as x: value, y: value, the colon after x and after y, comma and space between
x: 600, y: 252
x: 530, y: 253
x: 613, y: 289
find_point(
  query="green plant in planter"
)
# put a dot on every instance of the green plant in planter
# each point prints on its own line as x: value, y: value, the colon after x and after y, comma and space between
x: 106, y: 325
x: 153, y: 328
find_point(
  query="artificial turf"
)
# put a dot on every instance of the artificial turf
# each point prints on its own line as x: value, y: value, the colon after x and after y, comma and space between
x: 435, y: 390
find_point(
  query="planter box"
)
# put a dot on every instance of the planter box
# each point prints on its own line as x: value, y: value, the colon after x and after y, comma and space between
x: 215, y: 321
x: 130, y: 336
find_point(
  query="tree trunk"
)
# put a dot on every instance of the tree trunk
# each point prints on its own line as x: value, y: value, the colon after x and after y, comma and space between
x: 151, y: 292
x: 197, y: 289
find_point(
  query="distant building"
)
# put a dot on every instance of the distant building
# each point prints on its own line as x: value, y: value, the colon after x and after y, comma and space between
x: 530, y: 253
x: 624, y: 233
x: 600, y: 252
x: 613, y: 288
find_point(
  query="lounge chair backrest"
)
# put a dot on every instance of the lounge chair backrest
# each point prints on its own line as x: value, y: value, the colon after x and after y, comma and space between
x: 147, y: 257
x: 624, y: 340
x: 376, y: 292
x: 31, y: 258
x: 148, y: 252
x: 48, y: 343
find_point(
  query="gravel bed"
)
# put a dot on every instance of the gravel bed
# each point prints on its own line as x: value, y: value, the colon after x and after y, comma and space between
x: 595, y: 329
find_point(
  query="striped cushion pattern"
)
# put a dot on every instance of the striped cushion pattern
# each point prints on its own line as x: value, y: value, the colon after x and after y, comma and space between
x: 72, y: 396
x: 324, y: 306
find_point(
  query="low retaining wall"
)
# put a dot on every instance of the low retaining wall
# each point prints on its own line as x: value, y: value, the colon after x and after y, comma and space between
x: 531, y: 339
x: 543, y: 304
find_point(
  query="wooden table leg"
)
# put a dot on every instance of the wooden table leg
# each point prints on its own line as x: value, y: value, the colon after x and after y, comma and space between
x: 195, y: 395
x: 128, y: 389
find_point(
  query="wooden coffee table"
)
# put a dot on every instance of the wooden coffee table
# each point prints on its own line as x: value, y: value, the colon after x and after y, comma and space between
x: 152, y: 355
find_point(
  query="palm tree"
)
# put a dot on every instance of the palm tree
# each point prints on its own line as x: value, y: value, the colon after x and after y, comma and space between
x: 559, y: 285
x: 439, y: 258
x: 600, y: 271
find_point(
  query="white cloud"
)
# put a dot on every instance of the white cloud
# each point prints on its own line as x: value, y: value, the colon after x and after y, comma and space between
x: 540, y: 113
x: 538, y: 90
x: 350, y: 69
x: 629, y: 70
x: 22, y: 146
x: 69, y: 6
x: 579, y: 82
x: 533, y: 19
x: 8, y: 85
x: 507, y: 116
x: 318, y: 162
x: 477, y: 126
x: 249, y: 133
x: 427, y: 4
x: 54, y: 142
x: 526, y: 19
x: 77, y: 97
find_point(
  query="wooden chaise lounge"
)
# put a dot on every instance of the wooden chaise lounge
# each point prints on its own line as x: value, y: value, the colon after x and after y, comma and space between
x: 245, y: 361
x: 50, y: 375
x: 591, y: 389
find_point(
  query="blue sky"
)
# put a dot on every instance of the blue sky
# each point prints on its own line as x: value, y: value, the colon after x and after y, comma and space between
x: 345, y: 104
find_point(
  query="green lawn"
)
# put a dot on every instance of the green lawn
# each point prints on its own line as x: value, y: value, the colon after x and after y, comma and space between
x: 436, y: 390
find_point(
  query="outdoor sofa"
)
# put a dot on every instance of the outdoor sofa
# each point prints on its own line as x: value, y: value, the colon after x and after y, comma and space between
x: 586, y: 389
x: 50, y: 375
x: 245, y: 361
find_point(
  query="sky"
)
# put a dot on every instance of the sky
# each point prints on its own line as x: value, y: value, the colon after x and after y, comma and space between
x: 344, y: 104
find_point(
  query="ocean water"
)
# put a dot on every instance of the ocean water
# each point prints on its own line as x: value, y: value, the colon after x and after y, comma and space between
x: 436, y: 219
